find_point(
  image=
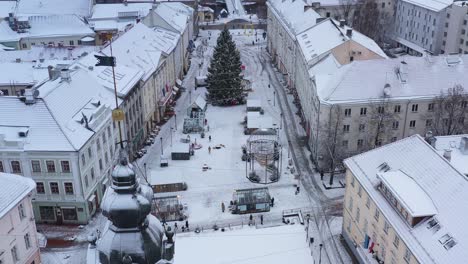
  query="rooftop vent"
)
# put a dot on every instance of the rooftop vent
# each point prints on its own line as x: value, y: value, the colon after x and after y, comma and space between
x: 464, y: 145
x: 383, y: 167
x: 387, y: 91
x: 23, y: 132
x: 433, y: 224
x: 349, y: 32
x: 448, y: 154
x: 452, y: 60
x: 448, y: 241
x: 65, y: 75
x: 342, y: 23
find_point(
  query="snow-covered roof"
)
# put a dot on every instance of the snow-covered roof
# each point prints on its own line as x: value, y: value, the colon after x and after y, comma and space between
x: 165, y: 39
x: 69, y: 101
x: 408, y: 193
x: 199, y: 102
x: 44, y: 132
x: 437, y: 178
x: 175, y: 14
x: 434, y: 5
x: 205, y: 9
x: 423, y: 77
x: 327, y: 35
x: 135, y: 49
x: 254, y: 103
x: 7, y: 7
x: 119, y: 11
x: 47, y: 26
x: 271, y: 245
x: 49, y: 7
x: 292, y: 15
x: 126, y: 78
x: 258, y: 121
x: 49, y: 54
x: 12, y: 190
x: 458, y: 144
x: 21, y: 73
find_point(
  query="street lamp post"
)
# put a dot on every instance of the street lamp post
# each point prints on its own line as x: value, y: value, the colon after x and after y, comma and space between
x: 175, y: 120
x: 320, y: 253
x: 171, y: 135
x: 162, y: 152
x: 274, y: 98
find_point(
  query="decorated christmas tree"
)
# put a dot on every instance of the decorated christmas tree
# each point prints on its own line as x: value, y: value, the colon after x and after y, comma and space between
x: 224, y: 74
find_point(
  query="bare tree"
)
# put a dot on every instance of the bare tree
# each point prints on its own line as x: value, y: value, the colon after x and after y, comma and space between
x: 448, y: 112
x: 332, y: 134
x: 381, y: 122
x: 346, y: 9
x: 366, y: 18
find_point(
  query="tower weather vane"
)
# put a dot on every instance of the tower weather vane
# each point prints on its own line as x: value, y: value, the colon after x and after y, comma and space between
x: 117, y: 114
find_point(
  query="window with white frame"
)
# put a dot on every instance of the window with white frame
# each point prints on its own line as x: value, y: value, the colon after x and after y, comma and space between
x: 14, y: 254
x: 68, y: 188
x: 386, y: 227
x: 65, y: 166
x: 36, y: 165
x: 21, y: 212
x: 377, y: 214
x: 358, y: 214
x: 350, y: 204
x: 396, y: 241
x: 359, y: 191
x: 27, y: 241
x: 50, y: 164
x: 15, y: 166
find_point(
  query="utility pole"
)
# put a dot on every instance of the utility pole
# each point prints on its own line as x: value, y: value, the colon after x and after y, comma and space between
x: 175, y: 120
x: 320, y: 257
x: 162, y: 152
x: 171, y: 135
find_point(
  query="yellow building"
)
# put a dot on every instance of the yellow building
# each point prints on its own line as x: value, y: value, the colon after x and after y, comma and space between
x: 405, y: 203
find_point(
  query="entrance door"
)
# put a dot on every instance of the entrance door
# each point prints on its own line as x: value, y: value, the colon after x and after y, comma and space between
x: 58, y: 216
x: 96, y: 199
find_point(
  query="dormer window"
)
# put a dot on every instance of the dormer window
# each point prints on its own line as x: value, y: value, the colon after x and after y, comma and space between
x: 406, y: 196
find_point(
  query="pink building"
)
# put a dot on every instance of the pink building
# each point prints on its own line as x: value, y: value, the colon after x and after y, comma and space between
x: 18, y: 243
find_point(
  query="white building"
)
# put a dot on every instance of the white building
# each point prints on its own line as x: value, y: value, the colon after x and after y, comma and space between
x: 17, y: 227
x: 456, y: 39
x: 421, y: 25
x: 113, y: 18
x: 287, y: 19
x: 22, y: 32
x: 405, y: 203
x: 178, y: 18
x: 81, y: 8
x: 455, y: 149
x: 405, y: 90
x: 64, y: 138
x: 18, y: 77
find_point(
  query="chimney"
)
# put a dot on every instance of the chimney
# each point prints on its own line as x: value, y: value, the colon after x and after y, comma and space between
x: 349, y: 32
x: 448, y: 154
x: 464, y: 145
x: 307, y: 7
x: 430, y: 138
x: 65, y: 75
x: 342, y: 23
x: 50, y: 69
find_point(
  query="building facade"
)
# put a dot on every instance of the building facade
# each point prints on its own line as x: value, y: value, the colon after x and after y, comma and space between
x: 19, y: 242
x: 393, y: 211
x: 420, y: 26
x: 65, y: 140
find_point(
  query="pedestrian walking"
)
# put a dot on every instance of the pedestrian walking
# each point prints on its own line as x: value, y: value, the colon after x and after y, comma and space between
x: 186, y: 224
x: 261, y: 219
x: 272, y: 201
x: 251, y: 220
x: 209, y: 138
x: 297, y: 190
x: 209, y: 150
x: 206, y: 121
x: 175, y: 226
x: 208, y: 128
x: 222, y: 207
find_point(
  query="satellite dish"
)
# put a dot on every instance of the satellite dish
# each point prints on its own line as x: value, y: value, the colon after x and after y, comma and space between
x: 36, y: 93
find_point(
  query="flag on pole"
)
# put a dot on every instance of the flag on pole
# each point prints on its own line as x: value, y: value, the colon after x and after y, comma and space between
x: 105, y: 61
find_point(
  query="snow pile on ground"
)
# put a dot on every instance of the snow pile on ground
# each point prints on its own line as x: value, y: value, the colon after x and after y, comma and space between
x: 273, y: 245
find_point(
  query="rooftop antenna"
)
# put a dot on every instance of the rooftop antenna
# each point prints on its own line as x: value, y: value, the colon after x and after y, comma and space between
x: 118, y: 114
